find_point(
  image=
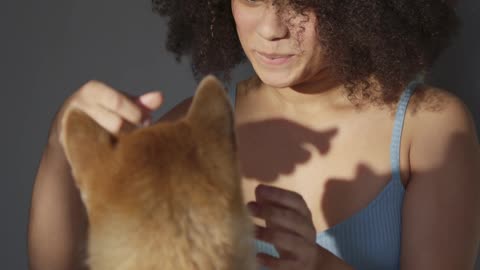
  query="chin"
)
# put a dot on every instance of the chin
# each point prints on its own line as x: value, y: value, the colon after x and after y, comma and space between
x: 275, y: 78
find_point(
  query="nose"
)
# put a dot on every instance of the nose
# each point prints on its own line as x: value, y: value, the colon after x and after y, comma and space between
x: 271, y: 25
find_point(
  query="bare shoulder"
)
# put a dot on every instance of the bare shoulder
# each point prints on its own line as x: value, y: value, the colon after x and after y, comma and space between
x: 439, y: 120
x: 178, y: 111
x: 443, y: 194
x: 435, y: 110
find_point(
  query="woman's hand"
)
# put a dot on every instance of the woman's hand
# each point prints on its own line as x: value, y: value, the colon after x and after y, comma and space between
x: 113, y: 110
x: 56, y: 206
x: 289, y: 227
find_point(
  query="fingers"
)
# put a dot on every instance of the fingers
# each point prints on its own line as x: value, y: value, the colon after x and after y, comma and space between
x: 283, y: 218
x: 274, y: 263
x: 115, y: 110
x: 284, y: 241
x: 112, y: 109
x: 151, y: 100
x: 285, y: 198
x: 116, y: 102
x: 289, y: 227
x: 112, y: 122
x: 295, y: 252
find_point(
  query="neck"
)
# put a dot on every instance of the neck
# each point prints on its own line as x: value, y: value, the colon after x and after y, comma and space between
x: 318, y: 94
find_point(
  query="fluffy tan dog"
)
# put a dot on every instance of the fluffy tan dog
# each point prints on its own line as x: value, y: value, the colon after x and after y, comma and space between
x: 167, y: 196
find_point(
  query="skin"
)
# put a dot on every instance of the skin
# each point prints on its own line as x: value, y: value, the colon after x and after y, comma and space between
x: 439, y: 160
x: 304, y: 92
x: 56, y: 205
x: 295, y: 90
x: 297, y: 85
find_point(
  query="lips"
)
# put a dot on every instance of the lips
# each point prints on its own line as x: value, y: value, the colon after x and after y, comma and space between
x: 274, y: 55
x: 273, y: 59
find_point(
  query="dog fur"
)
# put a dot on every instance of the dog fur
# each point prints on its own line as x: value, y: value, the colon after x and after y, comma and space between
x: 167, y: 196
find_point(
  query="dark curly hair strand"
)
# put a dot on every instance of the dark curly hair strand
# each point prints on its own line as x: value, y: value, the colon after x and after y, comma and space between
x: 392, y: 40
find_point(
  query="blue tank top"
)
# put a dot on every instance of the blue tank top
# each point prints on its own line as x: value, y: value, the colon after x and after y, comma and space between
x: 370, y: 239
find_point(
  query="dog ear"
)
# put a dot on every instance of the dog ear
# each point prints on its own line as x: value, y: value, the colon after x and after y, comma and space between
x: 211, y: 108
x: 87, y: 145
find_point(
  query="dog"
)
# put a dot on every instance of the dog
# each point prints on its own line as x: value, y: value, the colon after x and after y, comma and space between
x: 167, y: 196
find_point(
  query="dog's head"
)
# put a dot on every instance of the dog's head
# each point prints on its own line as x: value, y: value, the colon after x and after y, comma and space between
x: 115, y: 171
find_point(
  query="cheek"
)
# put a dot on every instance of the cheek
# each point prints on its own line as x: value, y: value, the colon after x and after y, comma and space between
x: 314, y: 58
x: 311, y: 45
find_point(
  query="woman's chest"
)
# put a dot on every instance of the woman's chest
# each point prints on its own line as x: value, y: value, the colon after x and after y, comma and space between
x: 338, y: 169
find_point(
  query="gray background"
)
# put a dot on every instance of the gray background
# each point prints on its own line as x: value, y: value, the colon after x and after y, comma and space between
x: 50, y: 48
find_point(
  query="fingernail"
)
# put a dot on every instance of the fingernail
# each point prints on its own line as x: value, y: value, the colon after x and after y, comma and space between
x: 150, y: 98
x: 263, y: 189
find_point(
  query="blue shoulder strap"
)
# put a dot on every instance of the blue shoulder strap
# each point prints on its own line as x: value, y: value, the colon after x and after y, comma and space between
x: 398, y: 126
x: 231, y: 93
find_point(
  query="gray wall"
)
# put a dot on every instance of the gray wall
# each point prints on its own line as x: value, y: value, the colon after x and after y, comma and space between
x: 50, y: 48
x: 459, y: 67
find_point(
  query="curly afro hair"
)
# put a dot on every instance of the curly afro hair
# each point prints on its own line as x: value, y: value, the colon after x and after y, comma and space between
x: 391, y: 40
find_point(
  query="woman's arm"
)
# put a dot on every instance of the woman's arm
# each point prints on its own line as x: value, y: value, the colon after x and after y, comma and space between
x: 58, y: 220
x: 57, y: 226
x: 441, y: 212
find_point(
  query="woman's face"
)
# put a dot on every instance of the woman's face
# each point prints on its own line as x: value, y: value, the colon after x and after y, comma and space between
x: 299, y: 56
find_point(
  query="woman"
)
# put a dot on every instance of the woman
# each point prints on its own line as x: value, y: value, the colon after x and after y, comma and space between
x: 348, y: 160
